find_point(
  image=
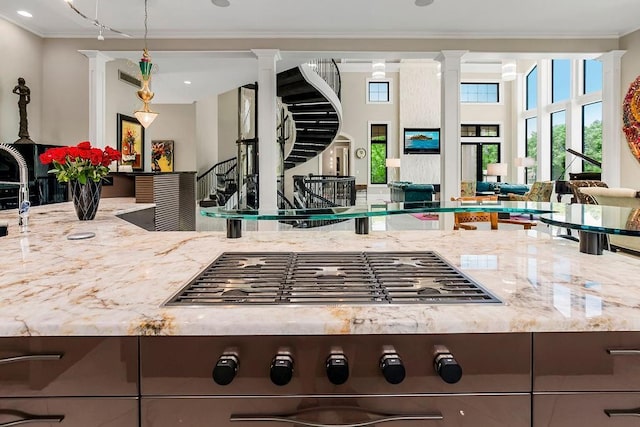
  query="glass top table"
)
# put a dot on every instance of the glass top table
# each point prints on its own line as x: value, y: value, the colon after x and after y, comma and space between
x: 362, y: 212
x: 594, y: 222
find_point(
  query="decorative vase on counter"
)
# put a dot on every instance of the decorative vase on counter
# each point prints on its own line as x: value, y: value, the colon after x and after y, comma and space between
x: 86, y: 198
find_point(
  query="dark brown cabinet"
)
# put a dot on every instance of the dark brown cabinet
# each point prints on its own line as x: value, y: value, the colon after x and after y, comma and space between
x: 69, y: 381
x: 441, y: 411
x: 589, y: 379
x: 70, y: 412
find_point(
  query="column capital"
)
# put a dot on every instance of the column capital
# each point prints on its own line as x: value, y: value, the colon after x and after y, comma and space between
x: 613, y: 54
x: 450, y: 54
x: 267, y: 53
x: 96, y: 54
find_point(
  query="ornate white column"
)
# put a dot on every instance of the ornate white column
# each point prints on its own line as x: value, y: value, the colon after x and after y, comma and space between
x: 611, y: 117
x: 97, y: 96
x: 267, y: 127
x: 450, y: 128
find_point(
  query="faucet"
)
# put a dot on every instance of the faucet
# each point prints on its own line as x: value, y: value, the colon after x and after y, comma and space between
x: 23, y: 192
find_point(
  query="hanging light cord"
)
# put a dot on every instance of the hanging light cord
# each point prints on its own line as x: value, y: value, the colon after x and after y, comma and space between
x: 145, y: 24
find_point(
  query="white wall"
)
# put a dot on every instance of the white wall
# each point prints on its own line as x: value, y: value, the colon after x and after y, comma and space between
x: 175, y: 122
x: 21, y: 54
x: 227, y: 125
x: 357, y: 115
x: 629, y: 165
x: 206, y: 133
x: 419, y: 108
x: 121, y: 98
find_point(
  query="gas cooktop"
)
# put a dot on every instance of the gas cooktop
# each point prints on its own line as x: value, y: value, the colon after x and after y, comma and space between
x: 331, y: 278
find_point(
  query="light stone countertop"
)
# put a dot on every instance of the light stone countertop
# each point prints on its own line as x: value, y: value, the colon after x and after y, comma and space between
x: 116, y: 283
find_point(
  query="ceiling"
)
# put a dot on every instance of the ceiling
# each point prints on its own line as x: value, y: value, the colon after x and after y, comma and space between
x: 334, y: 18
x: 218, y: 72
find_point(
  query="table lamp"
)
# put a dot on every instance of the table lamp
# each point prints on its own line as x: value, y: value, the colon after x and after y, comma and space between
x: 393, y: 164
x: 497, y: 170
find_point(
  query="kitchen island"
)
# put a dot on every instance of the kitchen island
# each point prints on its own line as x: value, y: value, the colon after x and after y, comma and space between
x: 117, y: 282
x: 85, y: 338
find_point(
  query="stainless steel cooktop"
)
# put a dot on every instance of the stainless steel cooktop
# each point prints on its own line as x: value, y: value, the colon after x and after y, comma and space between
x: 331, y: 278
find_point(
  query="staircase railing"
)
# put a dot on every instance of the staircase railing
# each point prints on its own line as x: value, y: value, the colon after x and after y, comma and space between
x: 209, y: 179
x: 328, y: 70
x: 320, y: 191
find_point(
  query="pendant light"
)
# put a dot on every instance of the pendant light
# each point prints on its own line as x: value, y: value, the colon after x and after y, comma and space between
x: 145, y: 115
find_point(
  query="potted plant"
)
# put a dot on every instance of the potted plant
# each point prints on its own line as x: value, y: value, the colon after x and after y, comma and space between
x: 83, y: 167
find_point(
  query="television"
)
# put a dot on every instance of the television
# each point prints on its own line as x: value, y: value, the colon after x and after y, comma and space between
x: 421, y: 141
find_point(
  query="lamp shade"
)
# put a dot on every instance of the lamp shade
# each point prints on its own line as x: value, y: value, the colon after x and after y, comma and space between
x: 497, y: 169
x: 392, y: 163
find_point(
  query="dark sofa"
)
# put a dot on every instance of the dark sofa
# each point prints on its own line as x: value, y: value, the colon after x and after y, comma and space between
x: 505, y: 188
x: 404, y: 191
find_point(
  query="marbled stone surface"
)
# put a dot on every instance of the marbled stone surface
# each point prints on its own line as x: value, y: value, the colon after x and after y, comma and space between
x: 116, y: 282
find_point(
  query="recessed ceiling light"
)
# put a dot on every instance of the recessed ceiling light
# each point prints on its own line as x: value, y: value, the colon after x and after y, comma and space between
x: 221, y: 3
x: 187, y: 82
x: 423, y: 2
x: 25, y: 14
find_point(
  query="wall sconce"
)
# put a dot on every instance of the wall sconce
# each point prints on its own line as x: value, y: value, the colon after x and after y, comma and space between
x: 145, y: 115
x: 378, y: 69
x: 508, y: 70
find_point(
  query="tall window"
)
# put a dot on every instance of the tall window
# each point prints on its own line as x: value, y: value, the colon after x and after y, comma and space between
x: 532, y: 89
x: 558, y: 143
x: 378, y: 91
x: 560, y: 80
x: 592, y: 76
x: 531, y: 149
x: 479, y: 92
x: 592, y: 134
x: 378, y: 154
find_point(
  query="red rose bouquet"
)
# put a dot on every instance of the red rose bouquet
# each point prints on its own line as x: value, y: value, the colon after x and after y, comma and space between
x: 82, y: 162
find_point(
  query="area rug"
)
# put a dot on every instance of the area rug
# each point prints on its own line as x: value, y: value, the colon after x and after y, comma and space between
x: 425, y: 216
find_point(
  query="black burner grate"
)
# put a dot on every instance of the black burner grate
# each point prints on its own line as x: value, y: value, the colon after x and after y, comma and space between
x: 331, y: 278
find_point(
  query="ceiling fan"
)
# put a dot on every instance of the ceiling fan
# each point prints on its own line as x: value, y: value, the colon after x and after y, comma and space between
x: 96, y: 22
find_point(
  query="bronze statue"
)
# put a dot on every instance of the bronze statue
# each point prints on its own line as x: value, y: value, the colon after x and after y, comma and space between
x: 24, y: 93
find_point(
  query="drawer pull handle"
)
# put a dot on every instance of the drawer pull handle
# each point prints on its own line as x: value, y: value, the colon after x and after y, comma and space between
x: 375, y: 418
x: 623, y: 412
x: 29, y: 418
x: 30, y: 358
x: 623, y: 352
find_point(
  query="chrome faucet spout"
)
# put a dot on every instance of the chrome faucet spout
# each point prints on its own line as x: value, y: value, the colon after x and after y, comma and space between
x: 23, y: 192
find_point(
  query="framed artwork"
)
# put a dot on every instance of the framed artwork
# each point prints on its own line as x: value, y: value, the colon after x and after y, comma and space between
x: 162, y: 156
x: 131, y: 142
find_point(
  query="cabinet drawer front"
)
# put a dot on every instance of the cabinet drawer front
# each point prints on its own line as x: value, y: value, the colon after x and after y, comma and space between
x: 75, y: 412
x: 183, y: 365
x: 585, y: 410
x: 586, y: 361
x: 68, y: 366
x: 454, y: 410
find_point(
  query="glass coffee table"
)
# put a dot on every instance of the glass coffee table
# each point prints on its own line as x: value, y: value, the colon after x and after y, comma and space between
x: 594, y: 222
x: 362, y: 213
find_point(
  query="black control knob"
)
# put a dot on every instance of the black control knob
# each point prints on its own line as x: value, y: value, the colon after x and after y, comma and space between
x: 337, y: 369
x: 281, y: 369
x: 392, y: 368
x: 225, y: 370
x: 447, y: 367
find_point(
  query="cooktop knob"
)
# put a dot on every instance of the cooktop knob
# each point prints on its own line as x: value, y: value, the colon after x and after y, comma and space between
x: 337, y: 368
x: 446, y: 366
x: 225, y: 370
x: 281, y: 369
x: 392, y: 368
